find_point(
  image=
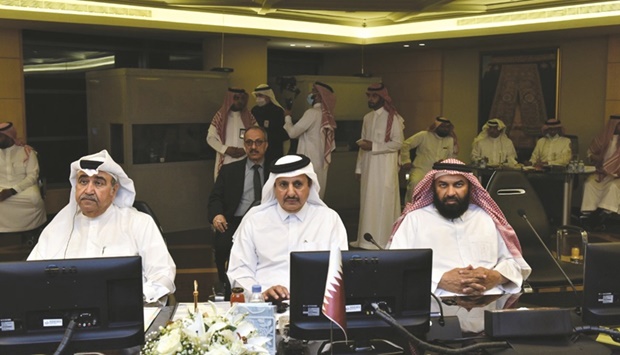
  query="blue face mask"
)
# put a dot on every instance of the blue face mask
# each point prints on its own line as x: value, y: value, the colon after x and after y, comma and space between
x: 310, y: 98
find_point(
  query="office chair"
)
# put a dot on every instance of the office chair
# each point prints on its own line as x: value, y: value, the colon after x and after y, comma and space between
x: 142, y: 206
x: 512, y: 191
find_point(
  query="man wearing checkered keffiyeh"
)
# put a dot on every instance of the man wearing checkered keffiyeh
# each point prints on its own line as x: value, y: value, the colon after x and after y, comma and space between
x: 475, y: 250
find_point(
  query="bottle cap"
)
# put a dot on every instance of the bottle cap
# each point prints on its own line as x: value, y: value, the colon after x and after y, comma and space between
x: 256, y: 289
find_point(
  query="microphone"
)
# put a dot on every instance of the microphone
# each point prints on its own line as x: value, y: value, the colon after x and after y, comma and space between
x: 370, y: 239
x: 521, y: 212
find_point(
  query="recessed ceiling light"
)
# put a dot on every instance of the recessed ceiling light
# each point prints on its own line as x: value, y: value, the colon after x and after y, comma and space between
x: 293, y: 45
x: 422, y: 44
x: 308, y: 46
x: 406, y: 45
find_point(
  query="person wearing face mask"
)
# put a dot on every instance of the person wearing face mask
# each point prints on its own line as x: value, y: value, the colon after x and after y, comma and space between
x: 227, y: 130
x: 553, y: 148
x: 270, y: 115
x: 436, y: 143
x: 493, y: 144
x: 315, y: 130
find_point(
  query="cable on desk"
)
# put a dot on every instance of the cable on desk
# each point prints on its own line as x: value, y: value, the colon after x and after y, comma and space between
x: 386, y: 317
x: 66, y: 338
x: 613, y: 334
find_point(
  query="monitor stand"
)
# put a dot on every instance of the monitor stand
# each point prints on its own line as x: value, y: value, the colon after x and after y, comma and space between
x: 366, y: 346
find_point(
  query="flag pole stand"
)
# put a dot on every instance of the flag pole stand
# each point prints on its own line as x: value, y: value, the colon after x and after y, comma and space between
x: 331, y: 338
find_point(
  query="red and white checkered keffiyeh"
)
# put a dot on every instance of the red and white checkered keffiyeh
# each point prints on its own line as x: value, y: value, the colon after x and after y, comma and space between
x: 599, y: 147
x: 328, y: 123
x: 221, y: 118
x: 423, y: 196
x: 381, y: 90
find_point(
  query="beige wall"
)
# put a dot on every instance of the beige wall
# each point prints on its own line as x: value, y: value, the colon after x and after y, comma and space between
x: 12, y: 83
x: 413, y: 79
x: 612, y: 99
x: 247, y: 56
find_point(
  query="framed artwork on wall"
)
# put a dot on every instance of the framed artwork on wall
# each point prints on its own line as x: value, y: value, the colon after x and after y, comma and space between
x: 519, y: 87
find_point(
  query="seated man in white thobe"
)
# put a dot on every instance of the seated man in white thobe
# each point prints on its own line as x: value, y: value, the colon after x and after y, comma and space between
x: 436, y: 143
x: 475, y: 250
x: 553, y: 148
x: 601, y: 191
x: 291, y: 217
x: 101, y: 222
x: 21, y: 206
x: 493, y: 145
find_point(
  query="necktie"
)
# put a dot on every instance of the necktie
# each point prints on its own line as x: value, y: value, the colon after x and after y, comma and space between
x: 258, y: 186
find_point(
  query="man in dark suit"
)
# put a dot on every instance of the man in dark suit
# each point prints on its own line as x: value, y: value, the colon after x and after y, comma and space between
x: 237, y: 189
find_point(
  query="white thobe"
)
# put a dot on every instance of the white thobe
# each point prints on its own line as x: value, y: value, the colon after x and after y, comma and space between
x: 264, y: 240
x: 553, y: 151
x: 379, y: 193
x: 311, y: 141
x: 25, y: 210
x: 117, y: 232
x: 498, y: 150
x: 606, y: 193
x: 471, y: 239
x: 430, y: 148
x: 234, y: 138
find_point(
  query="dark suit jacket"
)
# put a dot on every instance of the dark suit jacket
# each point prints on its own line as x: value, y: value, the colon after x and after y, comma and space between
x: 227, y: 190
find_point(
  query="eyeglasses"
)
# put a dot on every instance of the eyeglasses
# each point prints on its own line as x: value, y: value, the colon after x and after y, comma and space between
x: 258, y: 142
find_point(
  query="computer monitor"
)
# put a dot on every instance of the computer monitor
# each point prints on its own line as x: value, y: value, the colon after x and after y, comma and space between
x: 601, y: 285
x: 400, y: 278
x: 39, y: 298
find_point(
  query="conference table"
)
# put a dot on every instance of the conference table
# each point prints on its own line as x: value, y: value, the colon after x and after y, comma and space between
x: 553, y: 172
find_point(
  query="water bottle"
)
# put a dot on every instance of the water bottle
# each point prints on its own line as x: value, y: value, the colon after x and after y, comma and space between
x: 257, y: 295
x: 581, y: 168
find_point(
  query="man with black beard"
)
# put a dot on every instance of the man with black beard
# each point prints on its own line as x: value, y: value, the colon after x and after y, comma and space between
x: 475, y: 250
x: 436, y: 143
x: 377, y: 168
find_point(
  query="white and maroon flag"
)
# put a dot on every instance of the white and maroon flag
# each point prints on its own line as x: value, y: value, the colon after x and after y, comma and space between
x: 334, y: 298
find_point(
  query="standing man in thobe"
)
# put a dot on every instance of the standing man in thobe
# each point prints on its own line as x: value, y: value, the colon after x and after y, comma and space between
x: 21, y: 206
x: 270, y: 115
x: 601, y: 191
x: 227, y: 129
x: 377, y: 168
x: 437, y: 143
x: 315, y: 130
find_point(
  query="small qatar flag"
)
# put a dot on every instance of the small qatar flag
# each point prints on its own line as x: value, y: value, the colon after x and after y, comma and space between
x: 334, y: 298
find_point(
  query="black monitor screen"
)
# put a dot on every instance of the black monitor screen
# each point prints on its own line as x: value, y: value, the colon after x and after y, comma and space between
x: 39, y: 298
x: 601, y: 284
x: 399, y: 278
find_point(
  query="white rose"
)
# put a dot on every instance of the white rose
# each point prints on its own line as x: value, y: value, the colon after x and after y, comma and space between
x: 170, y: 343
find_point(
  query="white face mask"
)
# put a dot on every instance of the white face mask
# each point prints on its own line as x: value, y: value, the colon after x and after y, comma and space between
x: 260, y: 101
x: 310, y: 99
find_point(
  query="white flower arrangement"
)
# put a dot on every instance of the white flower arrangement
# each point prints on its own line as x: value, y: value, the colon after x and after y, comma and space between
x: 210, y: 333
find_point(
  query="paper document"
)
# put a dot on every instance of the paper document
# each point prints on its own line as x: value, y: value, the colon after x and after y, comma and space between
x: 150, y: 313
